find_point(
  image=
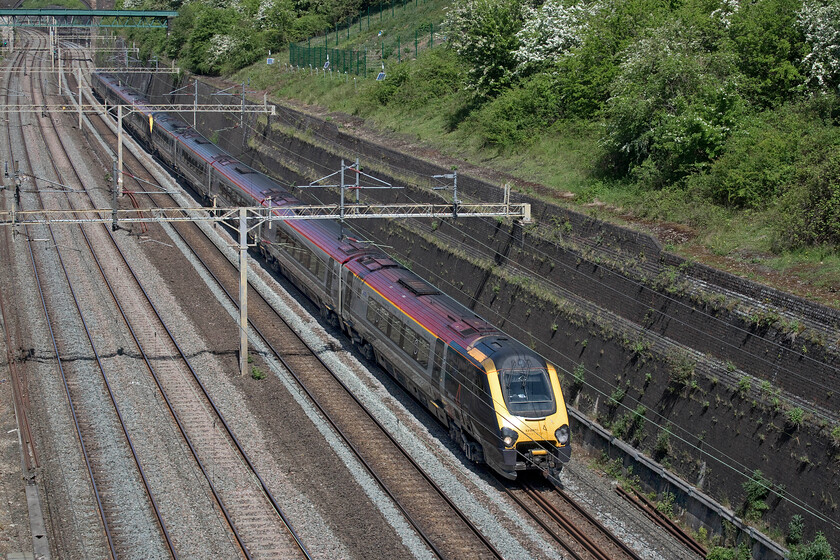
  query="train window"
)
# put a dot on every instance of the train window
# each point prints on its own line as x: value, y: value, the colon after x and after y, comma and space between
x: 438, y: 361
x: 348, y: 290
x: 421, y: 353
x: 527, y: 391
x: 395, y: 329
x: 454, y: 372
x: 409, y: 342
x: 316, y: 267
x: 372, y: 313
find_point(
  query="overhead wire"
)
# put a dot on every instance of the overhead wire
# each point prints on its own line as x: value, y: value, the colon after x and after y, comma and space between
x: 745, y: 470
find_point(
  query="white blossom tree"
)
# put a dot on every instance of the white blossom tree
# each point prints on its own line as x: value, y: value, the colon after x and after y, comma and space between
x: 551, y: 31
x: 483, y: 33
x: 221, y: 47
x: 727, y: 9
x: 821, y: 24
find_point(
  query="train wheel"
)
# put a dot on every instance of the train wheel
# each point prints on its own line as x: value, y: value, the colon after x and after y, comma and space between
x: 367, y: 351
x: 332, y: 319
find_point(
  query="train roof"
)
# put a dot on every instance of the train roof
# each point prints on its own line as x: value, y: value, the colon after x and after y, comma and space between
x: 129, y: 94
x: 435, y: 311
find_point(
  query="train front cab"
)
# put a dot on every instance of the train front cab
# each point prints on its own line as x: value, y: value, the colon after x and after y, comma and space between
x: 530, y: 412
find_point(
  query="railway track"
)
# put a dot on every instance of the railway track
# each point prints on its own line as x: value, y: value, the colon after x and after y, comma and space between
x: 446, y: 530
x: 324, y: 388
x: 576, y: 530
x: 253, y: 515
x: 103, y: 435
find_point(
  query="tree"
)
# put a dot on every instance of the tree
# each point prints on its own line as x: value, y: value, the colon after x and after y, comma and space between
x: 672, y: 107
x: 551, y: 31
x: 821, y: 24
x: 483, y: 33
x: 770, y: 46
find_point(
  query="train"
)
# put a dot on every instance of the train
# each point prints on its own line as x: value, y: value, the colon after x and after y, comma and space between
x: 501, y: 401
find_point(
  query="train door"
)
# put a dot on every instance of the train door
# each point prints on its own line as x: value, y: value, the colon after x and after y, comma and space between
x: 347, y: 296
x: 438, y: 366
x: 331, y: 271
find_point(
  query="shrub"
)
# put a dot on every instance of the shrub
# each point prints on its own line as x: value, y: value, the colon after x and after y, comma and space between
x: 757, y: 489
x: 518, y: 115
x: 663, y: 444
x: 835, y: 436
x: 672, y: 107
x: 769, y: 46
x: 682, y: 369
x: 809, y: 210
x: 742, y: 552
x: 666, y: 504
x: 821, y: 25
x: 579, y: 375
x: 743, y: 386
x: 435, y: 74
x: 758, y: 160
x: 551, y: 31
x: 818, y: 549
x: 584, y: 78
x: 795, y: 416
x: 795, y: 529
x: 617, y: 395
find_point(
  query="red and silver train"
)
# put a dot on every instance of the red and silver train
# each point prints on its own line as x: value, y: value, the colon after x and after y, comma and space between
x: 501, y: 401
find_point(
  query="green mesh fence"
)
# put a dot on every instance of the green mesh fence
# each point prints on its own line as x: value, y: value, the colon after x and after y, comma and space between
x: 340, y: 60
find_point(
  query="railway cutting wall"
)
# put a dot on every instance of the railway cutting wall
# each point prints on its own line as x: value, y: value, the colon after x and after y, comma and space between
x: 701, y: 370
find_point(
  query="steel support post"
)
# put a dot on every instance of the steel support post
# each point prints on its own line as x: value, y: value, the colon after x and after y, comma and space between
x: 119, y: 151
x: 114, y: 204
x: 79, y: 80
x: 243, y: 292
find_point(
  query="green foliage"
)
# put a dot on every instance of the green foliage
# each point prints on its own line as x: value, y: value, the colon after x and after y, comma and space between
x: 663, y: 444
x: 757, y: 489
x: 809, y: 209
x: 742, y: 552
x: 710, y: 113
x: 517, y: 116
x: 835, y: 436
x: 795, y: 529
x: 818, y: 549
x: 821, y: 26
x: 410, y: 86
x: 795, y: 416
x: 769, y: 45
x: 757, y: 160
x: 617, y: 395
x: 682, y: 369
x: 744, y: 386
x: 666, y: 504
x: 483, y: 33
x: 584, y: 79
x: 579, y: 374
x: 628, y: 426
x: 257, y: 373
x: 672, y: 108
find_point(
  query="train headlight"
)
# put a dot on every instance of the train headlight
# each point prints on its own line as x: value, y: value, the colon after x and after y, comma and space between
x: 562, y: 434
x: 509, y: 437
